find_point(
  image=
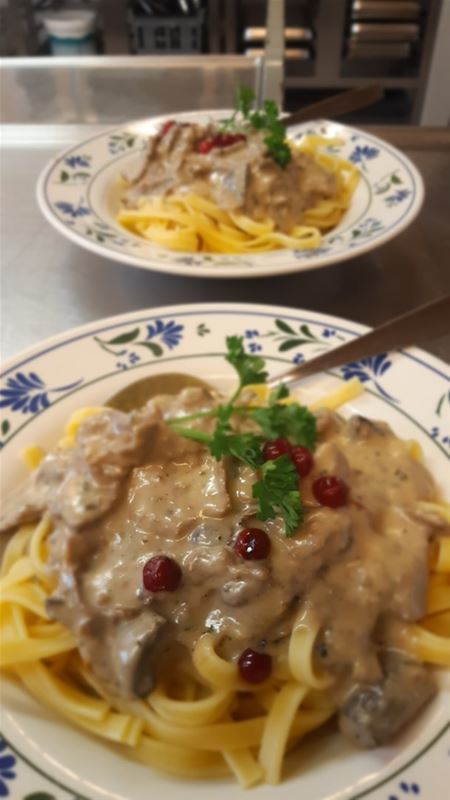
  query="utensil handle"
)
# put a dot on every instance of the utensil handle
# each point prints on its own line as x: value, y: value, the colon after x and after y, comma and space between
x: 422, y: 324
x: 335, y: 106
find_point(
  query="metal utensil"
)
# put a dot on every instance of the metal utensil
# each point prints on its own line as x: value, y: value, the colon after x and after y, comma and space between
x: 429, y: 321
x: 420, y: 325
x: 335, y: 106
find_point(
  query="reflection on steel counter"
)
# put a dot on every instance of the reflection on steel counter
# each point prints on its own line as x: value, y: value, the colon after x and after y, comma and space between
x: 116, y: 89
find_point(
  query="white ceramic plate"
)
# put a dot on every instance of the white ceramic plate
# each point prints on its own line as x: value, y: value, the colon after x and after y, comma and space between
x: 41, y: 387
x: 78, y: 192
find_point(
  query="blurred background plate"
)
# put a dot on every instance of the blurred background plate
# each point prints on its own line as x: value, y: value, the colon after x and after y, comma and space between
x: 79, y: 194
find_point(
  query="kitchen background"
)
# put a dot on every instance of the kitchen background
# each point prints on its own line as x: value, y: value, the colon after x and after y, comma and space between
x: 327, y: 45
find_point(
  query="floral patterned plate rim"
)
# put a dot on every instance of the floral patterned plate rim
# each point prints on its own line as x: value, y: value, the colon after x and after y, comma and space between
x: 78, y: 192
x: 41, y: 758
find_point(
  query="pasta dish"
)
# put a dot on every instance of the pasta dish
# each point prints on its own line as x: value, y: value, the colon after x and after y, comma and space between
x: 236, y: 186
x: 206, y: 580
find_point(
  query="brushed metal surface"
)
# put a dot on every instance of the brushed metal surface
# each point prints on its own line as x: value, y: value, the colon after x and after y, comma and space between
x: 114, y: 89
x: 290, y: 34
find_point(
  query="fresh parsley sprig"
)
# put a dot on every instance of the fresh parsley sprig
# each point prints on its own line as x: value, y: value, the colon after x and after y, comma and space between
x: 249, y: 368
x: 265, y: 120
x: 244, y: 99
x: 277, y: 491
x: 277, y: 488
x: 291, y: 421
x: 275, y: 139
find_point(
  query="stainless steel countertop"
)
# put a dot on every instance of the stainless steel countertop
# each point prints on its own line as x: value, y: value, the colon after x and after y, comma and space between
x: 110, y: 90
x: 50, y: 285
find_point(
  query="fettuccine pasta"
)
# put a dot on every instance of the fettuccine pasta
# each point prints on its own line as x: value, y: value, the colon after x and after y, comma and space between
x: 201, y: 721
x: 190, y: 222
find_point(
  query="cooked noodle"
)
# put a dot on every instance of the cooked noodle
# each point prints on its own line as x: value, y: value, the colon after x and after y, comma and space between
x: 191, y: 223
x: 200, y: 720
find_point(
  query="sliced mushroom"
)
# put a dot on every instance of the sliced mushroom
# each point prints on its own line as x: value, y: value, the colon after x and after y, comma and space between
x: 203, y: 563
x: 328, y: 458
x: 229, y: 185
x: 327, y: 421
x: 29, y: 501
x: 80, y: 484
x: 121, y: 652
x: 135, y: 171
x: 246, y: 582
x: 359, y: 428
x: 372, y: 714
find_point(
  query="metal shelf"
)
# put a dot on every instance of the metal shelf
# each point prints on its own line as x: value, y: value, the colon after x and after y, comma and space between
x: 330, y: 70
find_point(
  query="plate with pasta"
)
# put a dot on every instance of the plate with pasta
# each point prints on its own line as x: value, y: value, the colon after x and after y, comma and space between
x: 223, y: 588
x: 230, y: 194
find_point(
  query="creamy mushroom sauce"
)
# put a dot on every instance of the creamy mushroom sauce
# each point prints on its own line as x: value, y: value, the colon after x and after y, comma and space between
x: 131, y: 488
x: 238, y: 177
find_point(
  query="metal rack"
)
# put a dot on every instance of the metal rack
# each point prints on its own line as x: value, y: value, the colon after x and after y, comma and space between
x: 330, y: 69
x: 333, y: 24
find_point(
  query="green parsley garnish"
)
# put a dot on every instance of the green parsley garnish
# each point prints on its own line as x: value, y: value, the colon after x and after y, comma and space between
x: 291, y: 421
x: 244, y: 447
x: 244, y: 99
x: 278, y: 493
x: 265, y: 120
x: 249, y: 368
x: 277, y: 489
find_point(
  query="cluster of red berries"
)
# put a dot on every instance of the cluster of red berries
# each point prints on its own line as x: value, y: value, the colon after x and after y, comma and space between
x: 220, y: 140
